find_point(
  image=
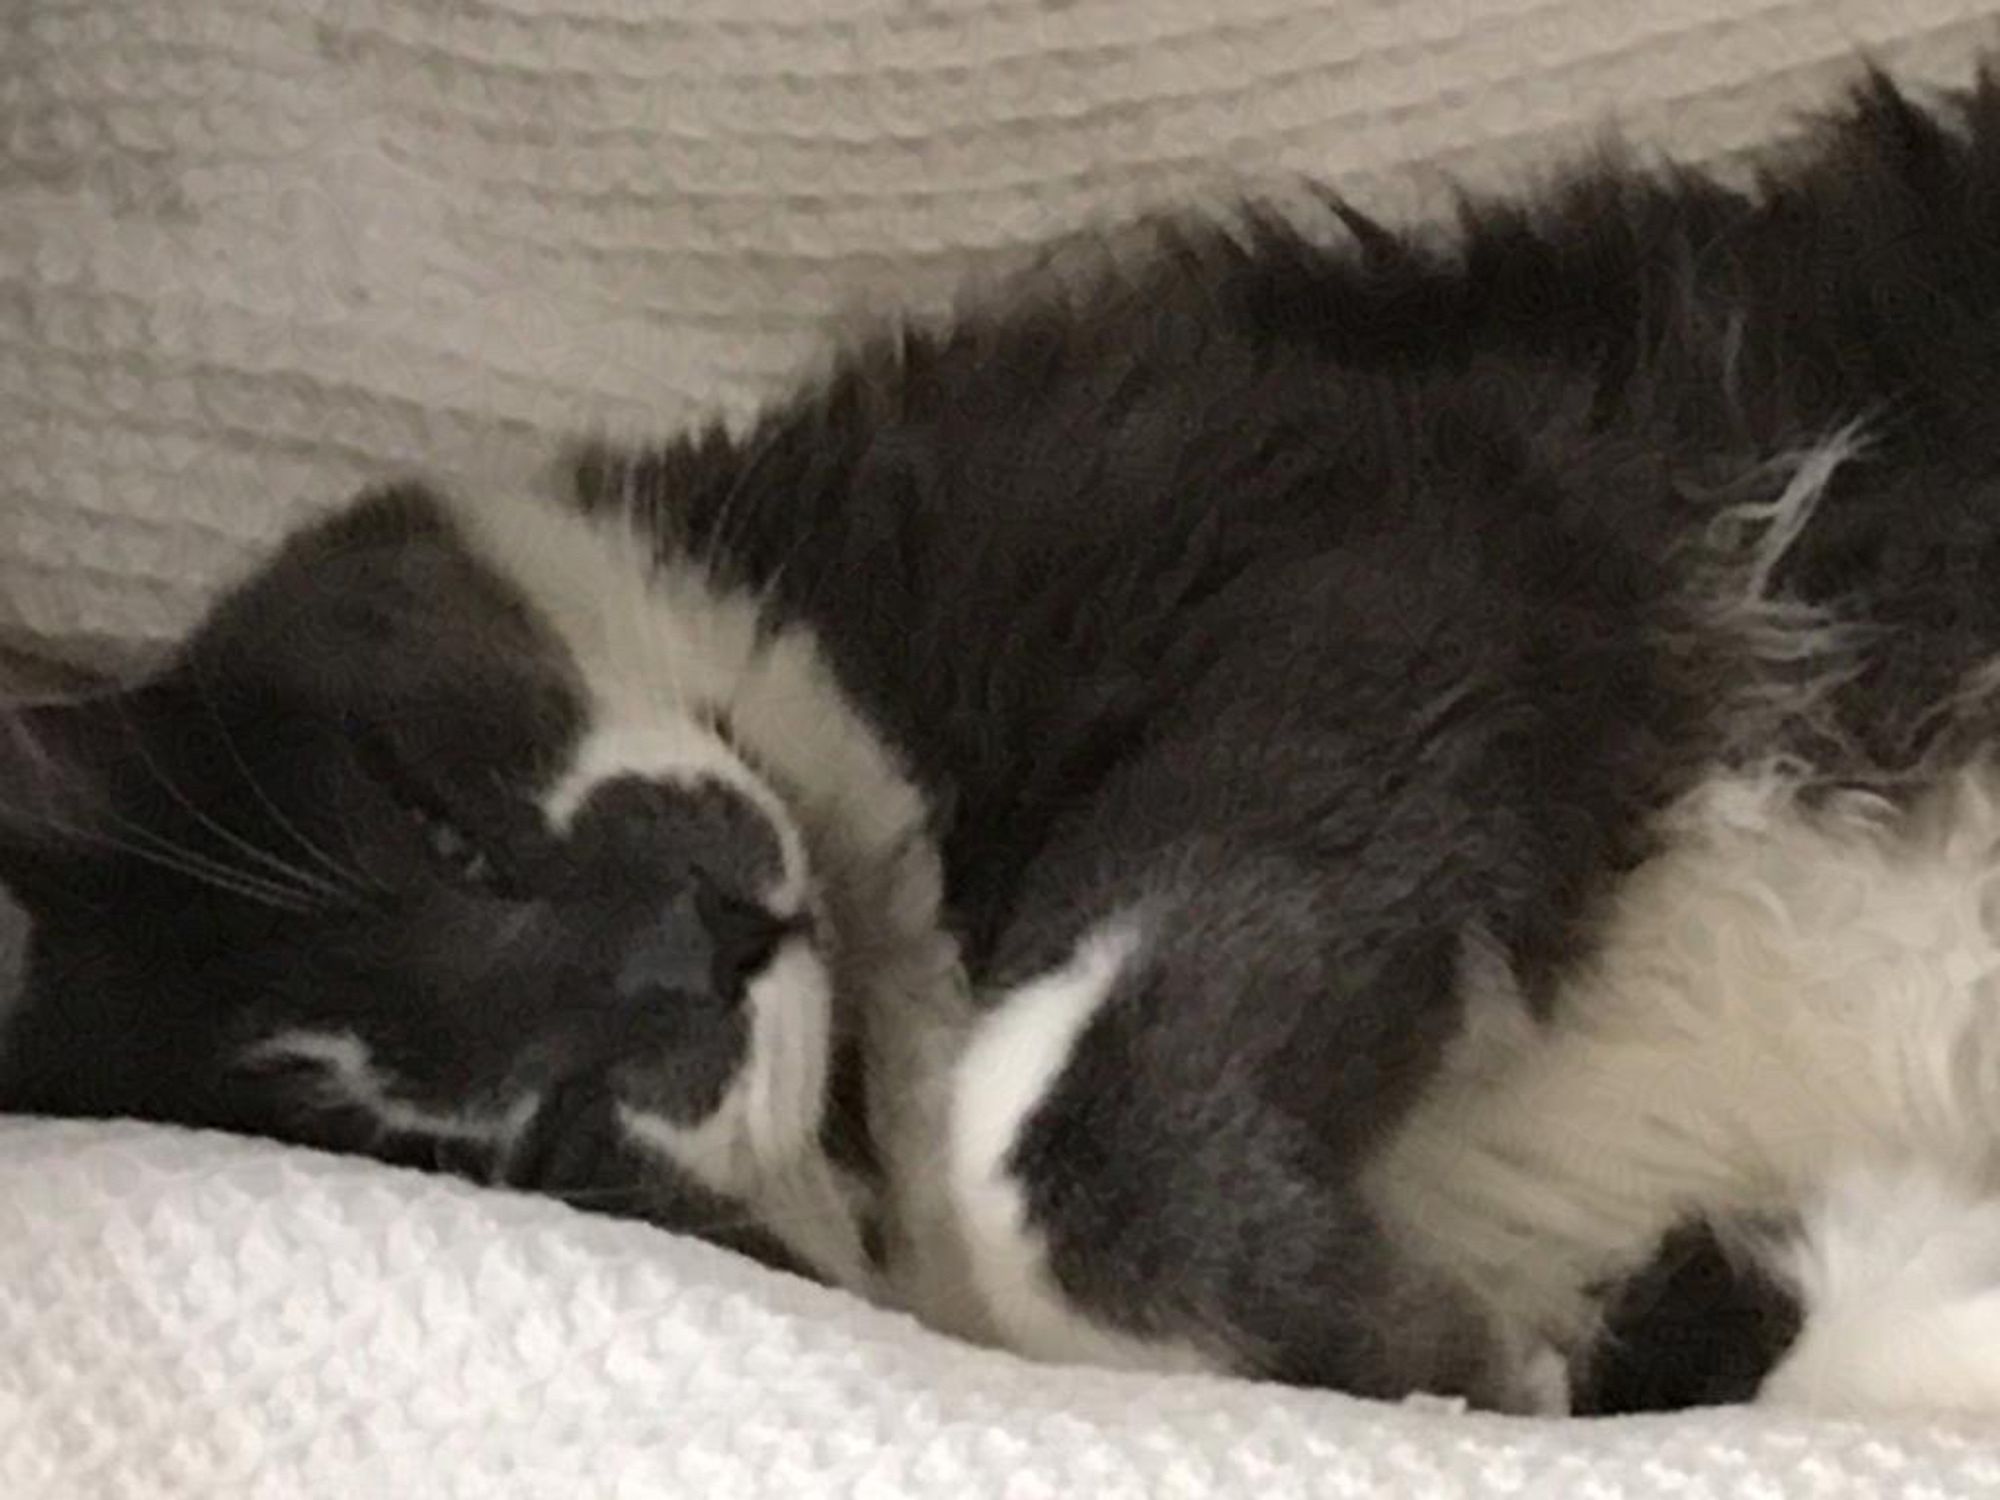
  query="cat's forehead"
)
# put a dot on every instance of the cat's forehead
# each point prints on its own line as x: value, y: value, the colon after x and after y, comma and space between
x: 492, y: 617
x: 497, y: 635
x: 381, y: 601
x: 639, y: 627
x: 415, y: 573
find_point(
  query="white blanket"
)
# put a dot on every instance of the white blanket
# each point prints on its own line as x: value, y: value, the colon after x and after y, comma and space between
x: 253, y: 251
x: 191, y: 1316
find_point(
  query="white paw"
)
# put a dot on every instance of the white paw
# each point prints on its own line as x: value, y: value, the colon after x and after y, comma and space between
x: 1899, y: 1277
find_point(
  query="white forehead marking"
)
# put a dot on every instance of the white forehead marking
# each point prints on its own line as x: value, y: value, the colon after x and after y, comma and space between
x: 672, y: 751
x: 682, y: 753
x: 658, y: 645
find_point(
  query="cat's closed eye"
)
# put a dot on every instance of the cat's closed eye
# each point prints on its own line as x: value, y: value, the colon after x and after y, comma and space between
x: 457, y: 850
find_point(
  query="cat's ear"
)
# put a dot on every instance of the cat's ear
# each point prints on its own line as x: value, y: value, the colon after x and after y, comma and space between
x: 56, y: 766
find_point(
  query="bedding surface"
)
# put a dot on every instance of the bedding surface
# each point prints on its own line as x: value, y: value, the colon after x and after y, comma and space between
x: 253, y: 254
x: 188, y: 1315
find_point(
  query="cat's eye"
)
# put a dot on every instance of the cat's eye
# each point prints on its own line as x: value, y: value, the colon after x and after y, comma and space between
x: 454, y: 850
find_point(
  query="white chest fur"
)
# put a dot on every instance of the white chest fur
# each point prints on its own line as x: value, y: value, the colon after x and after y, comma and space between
x: 1783, y: 996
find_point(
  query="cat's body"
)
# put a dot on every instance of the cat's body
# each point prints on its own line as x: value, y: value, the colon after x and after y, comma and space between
x: 1297, y: 812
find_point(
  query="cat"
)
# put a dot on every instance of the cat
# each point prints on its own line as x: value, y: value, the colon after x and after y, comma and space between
x: 1312, y: 804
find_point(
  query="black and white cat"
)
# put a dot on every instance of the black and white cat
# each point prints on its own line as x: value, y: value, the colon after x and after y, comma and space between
x: 1300, y: 811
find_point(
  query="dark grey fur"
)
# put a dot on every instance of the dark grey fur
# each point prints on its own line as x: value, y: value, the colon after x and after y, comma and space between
x: 1330, y: 602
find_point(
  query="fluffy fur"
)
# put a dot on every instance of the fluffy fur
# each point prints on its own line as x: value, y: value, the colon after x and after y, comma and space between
x: 1306, y: 807
x: 1784, y: 993
x: 1900, y: 1268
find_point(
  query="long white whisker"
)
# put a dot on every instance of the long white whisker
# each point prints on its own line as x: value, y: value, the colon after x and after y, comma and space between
x: 304, y: 881
x: 152, y: 849
x: 349, y: 877
x: 167, y: 853
x: 152, y: 845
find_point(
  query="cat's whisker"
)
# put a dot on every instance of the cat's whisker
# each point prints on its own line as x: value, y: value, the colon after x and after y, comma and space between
x: 668, y: 687
x: 731, y: 506
x: 303, y: 882
x: 196, y: 862
x: 352, y: 881
x: 152, y: 849
x: 350, y: 876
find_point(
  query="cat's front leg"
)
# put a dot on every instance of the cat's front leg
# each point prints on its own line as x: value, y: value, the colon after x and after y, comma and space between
x: 1156, y: 1145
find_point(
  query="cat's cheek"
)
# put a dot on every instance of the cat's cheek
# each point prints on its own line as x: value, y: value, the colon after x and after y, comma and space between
x: 782, y: 1093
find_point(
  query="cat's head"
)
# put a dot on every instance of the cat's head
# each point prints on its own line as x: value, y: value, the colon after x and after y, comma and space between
x: 440, y: 840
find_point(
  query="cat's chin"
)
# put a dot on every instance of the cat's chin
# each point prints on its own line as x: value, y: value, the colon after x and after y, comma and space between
x: 771, y: 1112
x: 761, y: 1146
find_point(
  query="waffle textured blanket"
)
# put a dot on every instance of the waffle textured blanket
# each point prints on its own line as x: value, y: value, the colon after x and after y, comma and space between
x: 252, y: 254
x: 187, y: 1315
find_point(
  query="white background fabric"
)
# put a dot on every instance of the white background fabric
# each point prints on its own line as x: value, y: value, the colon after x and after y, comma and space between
x: 251, y: 253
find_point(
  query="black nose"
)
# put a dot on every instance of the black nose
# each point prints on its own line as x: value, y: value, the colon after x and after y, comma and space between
x: 703, y: 944
x: 742, y: 938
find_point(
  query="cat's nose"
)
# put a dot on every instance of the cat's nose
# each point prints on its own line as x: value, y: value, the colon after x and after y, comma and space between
x: 742, y: 935
x: 702, y: 944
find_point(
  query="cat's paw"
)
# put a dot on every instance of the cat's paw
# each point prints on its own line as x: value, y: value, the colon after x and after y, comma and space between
x: 1899, y: 1275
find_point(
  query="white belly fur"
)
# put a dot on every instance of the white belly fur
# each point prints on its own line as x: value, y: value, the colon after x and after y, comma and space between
x: 1782, y: 997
